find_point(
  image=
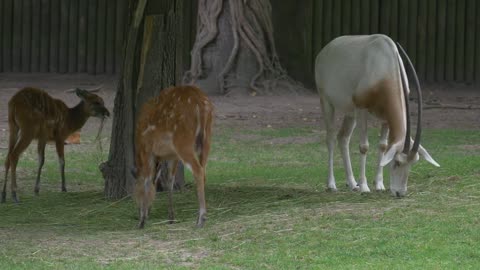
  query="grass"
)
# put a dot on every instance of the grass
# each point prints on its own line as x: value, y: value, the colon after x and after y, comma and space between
x: 267, y: 209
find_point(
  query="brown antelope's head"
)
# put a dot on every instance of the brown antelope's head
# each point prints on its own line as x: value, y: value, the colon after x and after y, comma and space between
x: 400, y: 156
x: 94, y: 104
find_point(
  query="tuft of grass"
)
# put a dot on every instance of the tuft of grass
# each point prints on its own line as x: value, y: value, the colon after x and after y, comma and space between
x: 267, y: 209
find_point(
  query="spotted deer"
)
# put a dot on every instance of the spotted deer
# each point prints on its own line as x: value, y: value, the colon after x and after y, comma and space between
x: 34, y: 114
x: 356, y: 75
x: 173, y: 126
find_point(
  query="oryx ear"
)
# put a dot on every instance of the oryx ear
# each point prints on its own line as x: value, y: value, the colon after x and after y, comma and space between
x: 390, y: 154
x: 423, y: 152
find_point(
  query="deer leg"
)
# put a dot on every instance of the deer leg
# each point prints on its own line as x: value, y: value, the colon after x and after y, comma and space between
x: 343, y: 138
x: 7, y: 167
x: 12, y: 141
x: 192, y: 163
x: 59, y: 144
x: 363, y: 116
x: 172, y: 170
x: 20, y: 146
x: 329, y: 115
x: 41, y: 160
x: 381, y: 150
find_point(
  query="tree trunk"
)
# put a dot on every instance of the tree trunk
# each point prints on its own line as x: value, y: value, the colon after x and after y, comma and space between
x: 234, y: 50
x: 150, y: 65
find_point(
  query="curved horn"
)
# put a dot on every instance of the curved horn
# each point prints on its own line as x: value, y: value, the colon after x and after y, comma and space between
x: 418, y: 134
x: 406, y: 145
x: 91, y: 90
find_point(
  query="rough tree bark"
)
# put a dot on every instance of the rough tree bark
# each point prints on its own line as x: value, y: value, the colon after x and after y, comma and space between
x: 234, y: 49
x: 151, y: 63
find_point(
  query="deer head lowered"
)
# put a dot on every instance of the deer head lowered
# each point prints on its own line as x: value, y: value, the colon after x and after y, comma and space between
x: 34, y: 114
x: 175, y: 125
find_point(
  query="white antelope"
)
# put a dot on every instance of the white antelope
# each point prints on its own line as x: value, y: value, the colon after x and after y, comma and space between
x: 360, y: 74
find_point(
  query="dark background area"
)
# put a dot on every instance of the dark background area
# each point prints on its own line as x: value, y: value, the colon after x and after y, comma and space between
x: 442, y: 37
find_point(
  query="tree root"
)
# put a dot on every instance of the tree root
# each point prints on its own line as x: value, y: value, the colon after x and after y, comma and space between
x: 251, y: 24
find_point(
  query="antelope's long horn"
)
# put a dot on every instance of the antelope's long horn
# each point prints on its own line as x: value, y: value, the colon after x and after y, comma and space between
x: 91, y: 90
x: 406, y: 145
x: 418, y: 134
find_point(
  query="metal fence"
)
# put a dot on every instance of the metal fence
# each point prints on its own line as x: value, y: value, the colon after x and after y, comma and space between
x: 61, y: 35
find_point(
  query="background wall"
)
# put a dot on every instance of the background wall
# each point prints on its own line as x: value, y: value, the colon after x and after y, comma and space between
x: 442, y: 37
x: 61, y: 35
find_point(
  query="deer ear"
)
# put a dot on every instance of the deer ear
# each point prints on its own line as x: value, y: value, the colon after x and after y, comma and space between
x: 81, y: 93
x: 133, y: 171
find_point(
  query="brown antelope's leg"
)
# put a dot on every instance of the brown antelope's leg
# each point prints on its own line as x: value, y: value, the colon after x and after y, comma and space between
x: 172, y: 170
x: 11, y: 144
x: 20, y: 146
x: 61, y: 160
x: 199, y: 175
x: 41, y: 160
x: 7, y: 167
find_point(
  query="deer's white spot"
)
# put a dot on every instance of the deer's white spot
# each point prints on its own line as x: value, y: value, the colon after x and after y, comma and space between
x: 148, y: 129
x: 188, y: 166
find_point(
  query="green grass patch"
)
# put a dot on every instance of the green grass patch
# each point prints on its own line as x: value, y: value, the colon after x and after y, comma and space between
x: 267, y: 209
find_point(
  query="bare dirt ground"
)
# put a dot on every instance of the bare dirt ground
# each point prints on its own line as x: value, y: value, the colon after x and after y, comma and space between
x: 253, y: 112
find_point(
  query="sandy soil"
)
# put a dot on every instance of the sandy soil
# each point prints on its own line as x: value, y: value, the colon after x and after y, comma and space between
x: 248, y: 111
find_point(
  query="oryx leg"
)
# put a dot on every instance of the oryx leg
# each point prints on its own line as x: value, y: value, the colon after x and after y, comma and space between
x: 343, y: 137
x: 362, y: 182
x: 382, y: 147
x: 329, y: 116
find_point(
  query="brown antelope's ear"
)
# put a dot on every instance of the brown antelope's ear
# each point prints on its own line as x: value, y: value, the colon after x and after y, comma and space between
x: 81, y: 93
x: 133, y: 171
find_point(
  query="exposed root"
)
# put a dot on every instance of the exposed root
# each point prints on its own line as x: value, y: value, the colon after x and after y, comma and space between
x: 251, y: 24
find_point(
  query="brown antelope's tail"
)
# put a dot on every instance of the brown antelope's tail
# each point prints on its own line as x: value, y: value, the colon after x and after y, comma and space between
x: 202, y: 140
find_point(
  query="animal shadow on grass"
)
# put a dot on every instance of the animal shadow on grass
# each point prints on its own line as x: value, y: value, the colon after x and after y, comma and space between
x: 87, y: 210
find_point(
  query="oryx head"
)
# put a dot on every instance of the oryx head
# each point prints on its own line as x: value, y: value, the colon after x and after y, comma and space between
x: 400, y: 156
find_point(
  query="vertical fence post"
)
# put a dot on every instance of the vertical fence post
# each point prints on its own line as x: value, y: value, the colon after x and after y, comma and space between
x: 26, y: 34
x: 100, y: 49
x: 17, y: 36
x: 421, y: 30
x: 82, y: 36
x: 470, y: 41
x: 72, y: 35
x: 44, y: 34
x: 437, y: 57
x: 460, y: 41
x: 91, y: 36
x: 54, y: 35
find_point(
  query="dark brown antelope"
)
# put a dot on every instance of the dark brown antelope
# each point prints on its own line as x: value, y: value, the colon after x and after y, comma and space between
x: 174, y: 126
x: 33, y: 114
